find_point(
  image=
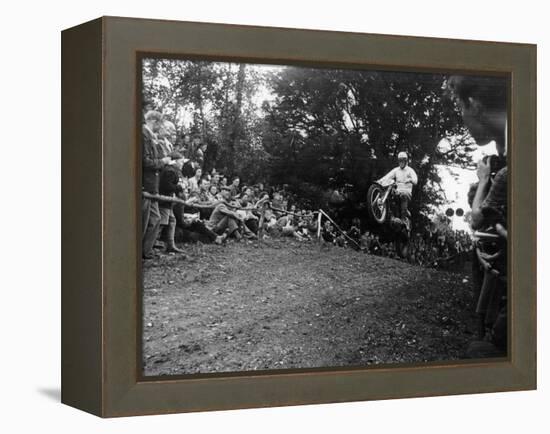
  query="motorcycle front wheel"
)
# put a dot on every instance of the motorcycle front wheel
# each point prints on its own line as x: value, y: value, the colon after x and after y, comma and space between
x: 377, y: 209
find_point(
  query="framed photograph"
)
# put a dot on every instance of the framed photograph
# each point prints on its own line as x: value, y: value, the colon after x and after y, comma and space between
x: 259, y: 217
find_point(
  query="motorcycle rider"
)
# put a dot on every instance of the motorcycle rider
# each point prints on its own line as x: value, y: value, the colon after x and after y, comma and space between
x: 405, y: 178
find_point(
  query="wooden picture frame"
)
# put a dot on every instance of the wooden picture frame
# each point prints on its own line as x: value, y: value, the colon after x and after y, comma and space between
x: 100, y: 221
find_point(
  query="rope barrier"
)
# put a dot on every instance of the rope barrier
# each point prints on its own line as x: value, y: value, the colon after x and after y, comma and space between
x: 198, y: 205
x: 289, y: 212
x: 260, y: 204
x: 339, y: 229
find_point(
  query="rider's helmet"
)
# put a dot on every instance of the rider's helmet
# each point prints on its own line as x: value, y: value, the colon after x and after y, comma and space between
x: 402, y: 159
x: 402, y: 156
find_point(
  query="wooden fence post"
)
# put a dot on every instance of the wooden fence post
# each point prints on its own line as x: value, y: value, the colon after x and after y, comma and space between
x: 319, y: 226
x: 261, y: 225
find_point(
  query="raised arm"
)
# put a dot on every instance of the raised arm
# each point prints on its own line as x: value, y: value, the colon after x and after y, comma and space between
x: 388, y: 178
x: 483, y: 173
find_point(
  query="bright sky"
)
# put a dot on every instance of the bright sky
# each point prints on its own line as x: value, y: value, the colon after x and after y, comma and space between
x: 456, y: 182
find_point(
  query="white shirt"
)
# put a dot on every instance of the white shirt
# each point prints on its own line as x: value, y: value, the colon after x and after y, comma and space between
x: 404, y: 178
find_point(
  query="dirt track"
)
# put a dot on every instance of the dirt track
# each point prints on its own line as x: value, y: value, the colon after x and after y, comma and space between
x: 285, y: 304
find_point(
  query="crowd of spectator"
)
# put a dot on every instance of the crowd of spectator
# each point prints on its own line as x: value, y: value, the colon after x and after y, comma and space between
x: 186, y: 202
x: 440, y: 248
x: 431, y: 248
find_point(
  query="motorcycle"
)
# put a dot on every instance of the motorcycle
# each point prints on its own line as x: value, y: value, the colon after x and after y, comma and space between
x: 382, y: 209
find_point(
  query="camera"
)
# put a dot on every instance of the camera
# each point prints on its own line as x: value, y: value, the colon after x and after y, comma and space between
x: 496, y: 163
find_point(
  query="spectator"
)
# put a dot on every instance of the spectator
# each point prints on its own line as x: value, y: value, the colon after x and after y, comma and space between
x: 249, y: 218
x: 194, y: 147
x: 304, y: 225
x: 169, y: 185
x: 193, y: 229
x: 251, y: 196
x: 195, y: 180
x: 312, y: 223
x: 328, y: 232
x: 289, y: 230
x: 376, y: 246
x: 147, y: 106
x: 223, y: 219
x: 484, y: 111
x: 200, y: 154
x: 277, y: 204
x: 214, y: 194
x: 152, y: 164
x: 167, y: 137
x: 188, y: 170
x: 204, y: 187
x: 234, y: 188
x: 201, y: 201
x: 184, y: 146
x: 215, y: 178
x: 354, y: 231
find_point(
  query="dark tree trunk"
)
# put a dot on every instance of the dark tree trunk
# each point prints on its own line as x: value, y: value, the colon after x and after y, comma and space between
x: 237, y: 127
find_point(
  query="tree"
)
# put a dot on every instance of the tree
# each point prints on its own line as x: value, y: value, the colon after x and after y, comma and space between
x: 212, y: 100
x: 336, y: 127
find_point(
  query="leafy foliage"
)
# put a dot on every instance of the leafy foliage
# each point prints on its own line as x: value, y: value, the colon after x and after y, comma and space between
x: 334, y: 128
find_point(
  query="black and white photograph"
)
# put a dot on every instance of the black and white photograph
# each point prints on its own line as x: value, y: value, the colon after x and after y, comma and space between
x: 299, y: 217
x: 305, y: 216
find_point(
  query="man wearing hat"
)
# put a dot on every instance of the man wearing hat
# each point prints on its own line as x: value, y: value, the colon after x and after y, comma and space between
x: 405, y: 178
